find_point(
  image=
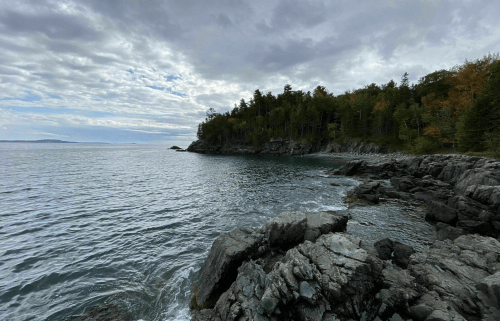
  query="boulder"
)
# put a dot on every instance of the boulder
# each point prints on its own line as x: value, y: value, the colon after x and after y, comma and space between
x: 230, y: 250
x: 440, y: 212
x: 311, y: 279
x: 448, y: 232
x: 384, y: 248
x: 220, y: 268
x: 398, y: 252
x: 367, y: 191
x: 405, y: 183
x: 490, y: 288
x: 402, y: 253
x: 334, y: 278
x: 286, y: 229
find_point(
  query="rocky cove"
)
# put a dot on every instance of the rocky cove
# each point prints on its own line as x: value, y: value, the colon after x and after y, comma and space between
x: 304, y: 266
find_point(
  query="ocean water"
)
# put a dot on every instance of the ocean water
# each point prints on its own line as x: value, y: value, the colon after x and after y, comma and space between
x: 84, y: 224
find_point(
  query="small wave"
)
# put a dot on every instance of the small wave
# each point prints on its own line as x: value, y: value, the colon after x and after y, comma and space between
x: 332, y: 207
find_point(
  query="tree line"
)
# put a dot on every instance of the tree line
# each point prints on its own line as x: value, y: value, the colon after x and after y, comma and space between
x: 457, y: 109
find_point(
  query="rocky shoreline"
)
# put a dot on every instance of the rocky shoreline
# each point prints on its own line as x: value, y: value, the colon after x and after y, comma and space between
x: 461, y: 193
x: 304, y: 266
x: 285, y: 147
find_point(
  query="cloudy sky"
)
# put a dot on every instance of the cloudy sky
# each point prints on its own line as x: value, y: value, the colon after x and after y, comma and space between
x: 146, y: 71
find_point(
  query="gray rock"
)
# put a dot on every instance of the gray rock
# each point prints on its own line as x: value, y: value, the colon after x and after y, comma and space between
x: 437, y: 211
x: 402, y: 253
x: 490, y: 286
x: 219, y: 270
x: 449, y: 233
x: 229, y: 251
x: 384, y: 248
x: 405, y: 183
x: 333, y: 278
x: 286, y: 229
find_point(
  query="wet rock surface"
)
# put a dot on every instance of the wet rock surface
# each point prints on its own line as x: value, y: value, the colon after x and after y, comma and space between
x: 334, y: 276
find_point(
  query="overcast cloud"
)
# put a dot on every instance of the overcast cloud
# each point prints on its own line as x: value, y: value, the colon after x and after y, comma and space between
x: 146, y: 71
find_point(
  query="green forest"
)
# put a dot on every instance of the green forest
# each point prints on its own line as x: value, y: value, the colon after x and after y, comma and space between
x: 447, y: 110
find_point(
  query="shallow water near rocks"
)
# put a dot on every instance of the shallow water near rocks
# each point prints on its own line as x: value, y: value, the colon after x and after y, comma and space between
x: 83, y: 224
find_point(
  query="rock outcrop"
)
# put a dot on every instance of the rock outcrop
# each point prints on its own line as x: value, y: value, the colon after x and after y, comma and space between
x: 230, y: 250
x: 355, y: 148
x: 331, y: 275
x: 273, y: 147
x: 461, y: 192
x: 282, y: 146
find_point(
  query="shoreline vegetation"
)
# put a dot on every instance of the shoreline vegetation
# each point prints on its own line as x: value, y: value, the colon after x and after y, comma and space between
x: 455, y: 110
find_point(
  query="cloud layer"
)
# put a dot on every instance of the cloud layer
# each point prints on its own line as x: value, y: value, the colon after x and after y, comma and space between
x: 148, y: 70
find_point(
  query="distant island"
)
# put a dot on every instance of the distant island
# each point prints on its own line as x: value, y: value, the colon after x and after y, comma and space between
x: 47, y: 141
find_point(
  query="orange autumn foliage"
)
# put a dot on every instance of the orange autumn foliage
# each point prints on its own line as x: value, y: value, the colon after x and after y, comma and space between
x: 380, y: 106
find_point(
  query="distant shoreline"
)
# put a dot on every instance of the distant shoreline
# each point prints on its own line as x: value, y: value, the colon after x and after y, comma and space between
x: 47, y: 141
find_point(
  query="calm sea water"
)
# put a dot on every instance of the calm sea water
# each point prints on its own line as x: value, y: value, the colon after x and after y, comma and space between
x: 131, y: 224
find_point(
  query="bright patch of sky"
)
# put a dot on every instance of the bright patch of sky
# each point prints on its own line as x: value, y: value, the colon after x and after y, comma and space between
x: 146, y: 71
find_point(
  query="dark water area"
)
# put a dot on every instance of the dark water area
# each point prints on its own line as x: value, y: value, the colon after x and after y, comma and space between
x: 131, y: 224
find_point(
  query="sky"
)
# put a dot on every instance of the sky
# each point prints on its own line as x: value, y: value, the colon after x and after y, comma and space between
x: 146, y: 71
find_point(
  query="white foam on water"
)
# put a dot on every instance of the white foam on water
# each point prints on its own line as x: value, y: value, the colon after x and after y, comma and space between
x: 182, y: 315
x: 332, y: 207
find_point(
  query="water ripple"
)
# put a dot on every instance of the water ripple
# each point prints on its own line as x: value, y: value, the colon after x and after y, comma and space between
x: 83, y: 224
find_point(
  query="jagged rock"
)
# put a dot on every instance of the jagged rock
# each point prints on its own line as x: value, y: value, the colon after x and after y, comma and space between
x: 490, y: 286
x: 454, y: 269
x: 402, y: 253
x: 384, y: 248
x: 461, y: 191
x: 431, y: 307
x: 227, y: 253
x: 355, y: 148
x: 230, y: 250
x: 272, y: 147
x: 367, y: 191
x: 311, y: 278
x: 319, y: 223
x: 352, y: 167
x: 437, y: 211
x: 480, y: 227
x: 286, y: 228
x: 333, y: 278
x: 447, y: 232
x: 405, y: 183
x: 398, y: 252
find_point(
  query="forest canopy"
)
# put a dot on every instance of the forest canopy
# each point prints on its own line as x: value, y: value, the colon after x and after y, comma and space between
x: 447, y: 109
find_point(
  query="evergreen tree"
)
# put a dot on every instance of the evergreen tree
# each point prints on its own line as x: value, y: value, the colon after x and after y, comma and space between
x: 479, y: 125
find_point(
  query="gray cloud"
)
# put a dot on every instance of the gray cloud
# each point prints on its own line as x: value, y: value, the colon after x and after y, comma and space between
x: 188, y: 56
